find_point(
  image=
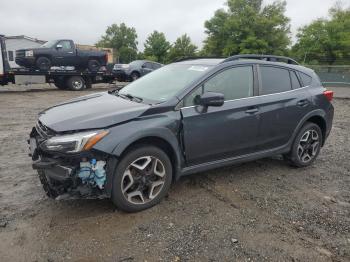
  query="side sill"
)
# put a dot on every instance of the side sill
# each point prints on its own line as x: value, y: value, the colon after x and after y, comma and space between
x: 233, y: 160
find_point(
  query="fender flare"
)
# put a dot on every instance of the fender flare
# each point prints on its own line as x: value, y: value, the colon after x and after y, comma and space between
x: 317, y: 112
x: 135, y: 71
x: 48, y: 56
x: 158, y: 132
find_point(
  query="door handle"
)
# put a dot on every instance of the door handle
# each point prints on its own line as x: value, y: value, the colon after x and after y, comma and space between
x: 252, y: 110
x: 302, y: 103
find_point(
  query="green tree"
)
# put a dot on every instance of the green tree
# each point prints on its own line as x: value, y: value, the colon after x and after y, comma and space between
x: 182, y: 47
x: 325, y: 41
x: 122, y: 39
x: 248, y: 26
x: 156, y: 47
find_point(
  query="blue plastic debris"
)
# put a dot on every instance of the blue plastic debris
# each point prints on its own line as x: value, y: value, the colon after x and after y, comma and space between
x: 93, y: 173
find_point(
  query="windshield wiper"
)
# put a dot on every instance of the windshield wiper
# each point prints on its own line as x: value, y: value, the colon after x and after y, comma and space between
x: 131, y: 97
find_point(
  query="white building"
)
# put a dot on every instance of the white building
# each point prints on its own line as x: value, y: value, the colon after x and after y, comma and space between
x: 14, y: 43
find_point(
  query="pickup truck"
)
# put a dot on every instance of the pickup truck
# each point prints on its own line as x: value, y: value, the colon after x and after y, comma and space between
x: 62, y: 52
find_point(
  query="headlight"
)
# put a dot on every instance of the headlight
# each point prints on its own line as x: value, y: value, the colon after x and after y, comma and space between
x: 125, y: 66
x: 29, y: 53
x: 74, y: 143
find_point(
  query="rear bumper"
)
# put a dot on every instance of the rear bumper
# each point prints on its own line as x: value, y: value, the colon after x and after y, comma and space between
x: 329, y: 121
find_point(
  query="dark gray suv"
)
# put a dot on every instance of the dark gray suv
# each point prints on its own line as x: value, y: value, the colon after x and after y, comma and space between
x: 187, y: 117
x: 134, y: 70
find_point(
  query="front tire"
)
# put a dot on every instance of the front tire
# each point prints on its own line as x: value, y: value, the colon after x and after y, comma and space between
x: 306, y: 146
x: 135, y: 76
x: 142, y: 179
x: 43, y: 63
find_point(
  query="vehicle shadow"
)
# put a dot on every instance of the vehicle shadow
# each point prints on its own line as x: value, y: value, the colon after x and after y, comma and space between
x: 82, y: 209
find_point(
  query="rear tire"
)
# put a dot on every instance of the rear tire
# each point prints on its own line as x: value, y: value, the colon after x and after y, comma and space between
x: 94, y: 65
x: 76, y: 83
x: 43, y: 63
x: 306, y: 146
x: 142, y: 179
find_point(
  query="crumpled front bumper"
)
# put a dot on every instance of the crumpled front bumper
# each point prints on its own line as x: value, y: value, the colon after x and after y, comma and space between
x: 59, y: 173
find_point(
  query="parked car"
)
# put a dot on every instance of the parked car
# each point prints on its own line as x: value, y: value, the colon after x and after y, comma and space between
x: 134, y: 70
x: 185, y: 118
x: 61, y: 52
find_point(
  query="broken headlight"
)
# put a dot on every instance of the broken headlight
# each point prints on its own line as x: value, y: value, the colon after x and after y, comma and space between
x: 74, y: 143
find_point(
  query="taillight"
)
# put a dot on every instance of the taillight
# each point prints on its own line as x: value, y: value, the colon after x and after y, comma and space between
x: 329, y: 95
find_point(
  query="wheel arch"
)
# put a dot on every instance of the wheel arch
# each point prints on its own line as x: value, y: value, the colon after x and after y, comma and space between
x: 321, y: 122
x: 135, y: 71
x: 43, y: 55
x: 161, y: 143
x: 165, y: 141
x: 317, y: 117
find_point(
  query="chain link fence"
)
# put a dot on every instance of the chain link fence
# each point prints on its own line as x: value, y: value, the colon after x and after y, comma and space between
x: 334, y: 76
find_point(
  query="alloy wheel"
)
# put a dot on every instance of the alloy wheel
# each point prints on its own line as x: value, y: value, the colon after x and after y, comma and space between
x: 308, y: 146
x: 143, y: 180
x: 77, y: 85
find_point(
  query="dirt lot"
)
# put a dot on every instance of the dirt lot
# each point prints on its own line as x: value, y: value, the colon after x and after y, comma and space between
x: 259, y: 211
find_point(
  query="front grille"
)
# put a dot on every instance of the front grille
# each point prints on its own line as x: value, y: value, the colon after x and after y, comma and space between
x: 20, y: 53
x: 43, y: 130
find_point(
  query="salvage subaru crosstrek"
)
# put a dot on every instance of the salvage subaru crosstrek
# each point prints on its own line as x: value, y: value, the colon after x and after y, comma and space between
x: 184, y: 118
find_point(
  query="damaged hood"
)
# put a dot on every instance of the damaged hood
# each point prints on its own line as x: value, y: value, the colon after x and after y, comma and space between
x: 91, y: 112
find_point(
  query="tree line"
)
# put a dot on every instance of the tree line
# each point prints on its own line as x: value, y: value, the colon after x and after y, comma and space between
x: 244, y: 27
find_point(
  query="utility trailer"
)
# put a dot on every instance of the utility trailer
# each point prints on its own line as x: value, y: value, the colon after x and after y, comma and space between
x: 62, y: 78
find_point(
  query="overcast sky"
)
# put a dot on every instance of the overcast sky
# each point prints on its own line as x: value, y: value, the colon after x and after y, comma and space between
x: 86, y: 20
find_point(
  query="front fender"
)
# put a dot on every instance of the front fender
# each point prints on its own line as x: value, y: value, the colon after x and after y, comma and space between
x: 165, y: 127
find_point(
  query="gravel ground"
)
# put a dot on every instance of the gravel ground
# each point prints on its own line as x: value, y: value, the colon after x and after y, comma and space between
x: 258, y: 211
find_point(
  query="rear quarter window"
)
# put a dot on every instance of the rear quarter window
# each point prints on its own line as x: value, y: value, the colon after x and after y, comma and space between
x: 274, y: 80
x: 306, y: 79
x: 294, y: 80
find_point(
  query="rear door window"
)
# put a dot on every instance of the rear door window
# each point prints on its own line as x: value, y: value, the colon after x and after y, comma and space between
x: 274, y: 80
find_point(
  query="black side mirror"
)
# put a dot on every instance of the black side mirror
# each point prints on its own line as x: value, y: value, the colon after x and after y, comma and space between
x: 211, y: 99
x: 59, y: 46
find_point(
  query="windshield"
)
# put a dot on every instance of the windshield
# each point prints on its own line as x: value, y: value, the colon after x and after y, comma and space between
x: 49, y: 44
x: 165, y: 82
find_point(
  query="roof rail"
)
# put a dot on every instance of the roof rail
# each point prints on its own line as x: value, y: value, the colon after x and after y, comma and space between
x: 197, y: 57
x: 271, y: 58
